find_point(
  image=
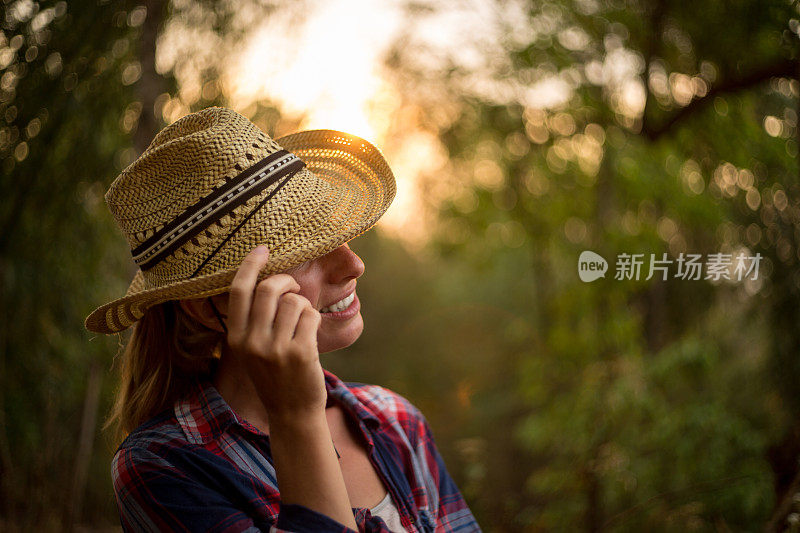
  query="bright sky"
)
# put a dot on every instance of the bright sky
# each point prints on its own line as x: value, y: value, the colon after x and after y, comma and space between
x: 326, y: 68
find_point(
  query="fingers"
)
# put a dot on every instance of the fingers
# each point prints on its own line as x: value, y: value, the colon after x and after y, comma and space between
x: 289, y: 310
x: 268, y: 293
x: 307, y: 326
x: 241, y: 290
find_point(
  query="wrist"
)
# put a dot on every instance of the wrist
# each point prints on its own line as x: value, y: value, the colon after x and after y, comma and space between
x: 306, y: 466
x: 301, y: 422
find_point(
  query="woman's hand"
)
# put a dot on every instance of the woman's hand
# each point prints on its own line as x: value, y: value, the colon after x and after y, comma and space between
x: 274, y: 330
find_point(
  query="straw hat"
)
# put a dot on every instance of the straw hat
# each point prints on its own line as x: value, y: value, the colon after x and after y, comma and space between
x: 212, y: 186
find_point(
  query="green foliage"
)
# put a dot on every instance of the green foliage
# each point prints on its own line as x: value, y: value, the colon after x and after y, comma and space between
x: 648, y: 404
x: 66, y: 97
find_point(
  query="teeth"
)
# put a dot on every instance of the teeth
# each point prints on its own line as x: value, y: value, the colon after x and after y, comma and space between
x: 341, y: 305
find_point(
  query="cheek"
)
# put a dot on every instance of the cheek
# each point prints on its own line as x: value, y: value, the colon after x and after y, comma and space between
x: 311, y: 296
x: 308, y: 290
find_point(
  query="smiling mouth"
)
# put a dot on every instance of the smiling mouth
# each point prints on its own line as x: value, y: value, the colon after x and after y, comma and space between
x: 341, y: 305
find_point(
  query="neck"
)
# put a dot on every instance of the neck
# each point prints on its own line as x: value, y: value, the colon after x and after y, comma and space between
x: 237, y: 389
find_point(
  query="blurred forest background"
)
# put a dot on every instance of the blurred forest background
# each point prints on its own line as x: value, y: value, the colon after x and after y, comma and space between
x: 521, y: 134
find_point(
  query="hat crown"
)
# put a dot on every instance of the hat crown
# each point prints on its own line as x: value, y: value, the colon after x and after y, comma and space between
x: 191, y: 125
x: 185, y: 162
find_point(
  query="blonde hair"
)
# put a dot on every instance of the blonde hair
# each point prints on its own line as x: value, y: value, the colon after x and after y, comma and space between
x: 167, y: 350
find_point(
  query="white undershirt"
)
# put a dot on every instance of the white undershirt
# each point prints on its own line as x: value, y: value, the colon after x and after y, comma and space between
x: 387, y: 510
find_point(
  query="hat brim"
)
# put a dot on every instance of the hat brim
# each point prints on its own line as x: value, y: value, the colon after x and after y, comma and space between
x: 352, y: 166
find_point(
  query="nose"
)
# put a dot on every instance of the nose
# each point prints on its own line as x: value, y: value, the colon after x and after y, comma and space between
x: 343, y: 264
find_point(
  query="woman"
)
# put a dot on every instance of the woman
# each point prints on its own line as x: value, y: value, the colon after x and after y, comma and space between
x: 244, y: 278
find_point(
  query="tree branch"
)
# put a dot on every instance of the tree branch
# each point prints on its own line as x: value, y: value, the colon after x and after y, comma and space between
x: 783, y: 69
x: 782, y: 510
x: 656, y: 19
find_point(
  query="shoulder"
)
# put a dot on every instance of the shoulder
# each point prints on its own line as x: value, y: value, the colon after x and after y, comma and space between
x: 163, y: 430
x: 148, y: 447
x: 390, y: 407
x: 384, y: 400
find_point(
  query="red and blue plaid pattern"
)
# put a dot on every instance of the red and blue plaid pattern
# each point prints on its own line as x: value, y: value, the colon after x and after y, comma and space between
x: 200, y: 467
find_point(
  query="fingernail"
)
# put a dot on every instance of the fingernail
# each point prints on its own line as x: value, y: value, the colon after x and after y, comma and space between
x: 260, y: 249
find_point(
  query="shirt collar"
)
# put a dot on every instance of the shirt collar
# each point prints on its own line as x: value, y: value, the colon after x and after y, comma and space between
x: 203, y: 414
x: 339, y: 391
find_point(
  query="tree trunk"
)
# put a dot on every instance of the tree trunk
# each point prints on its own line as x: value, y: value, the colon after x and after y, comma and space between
x: 151, y: 84
x: 83, y: 455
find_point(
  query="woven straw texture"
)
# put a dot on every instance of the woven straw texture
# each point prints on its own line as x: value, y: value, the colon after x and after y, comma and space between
x: 343, y: 190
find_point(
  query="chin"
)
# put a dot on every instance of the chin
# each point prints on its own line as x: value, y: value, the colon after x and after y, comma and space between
x: 333, y: 336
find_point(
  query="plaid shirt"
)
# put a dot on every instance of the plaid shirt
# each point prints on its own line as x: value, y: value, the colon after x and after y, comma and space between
x: 200, y: 467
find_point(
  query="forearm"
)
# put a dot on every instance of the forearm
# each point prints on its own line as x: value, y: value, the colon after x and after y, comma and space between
x: 307, y: 468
